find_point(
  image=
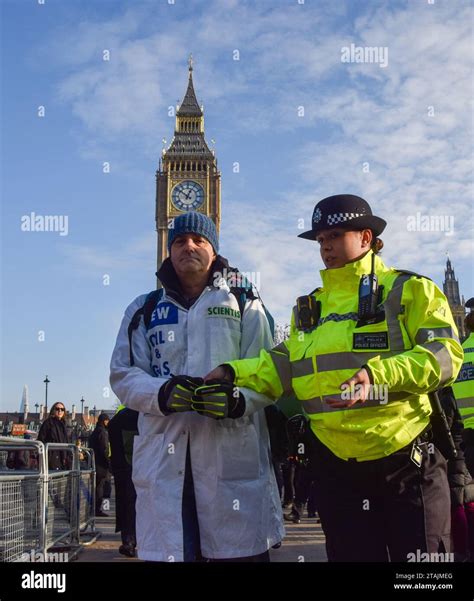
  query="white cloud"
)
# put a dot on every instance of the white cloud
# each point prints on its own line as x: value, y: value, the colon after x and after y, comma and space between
x: 131, y: 92
x: 264, y: 242
x: 354, y: 114
x: 95, y: 260
x: 417, y: 162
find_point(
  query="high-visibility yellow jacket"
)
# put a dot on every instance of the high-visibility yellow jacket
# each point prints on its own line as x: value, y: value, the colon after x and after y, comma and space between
x: 463, y: 387
x: 413, y: 350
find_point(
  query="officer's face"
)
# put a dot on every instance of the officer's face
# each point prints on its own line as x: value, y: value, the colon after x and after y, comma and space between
x: 339, y: 246
x: 191, y: 254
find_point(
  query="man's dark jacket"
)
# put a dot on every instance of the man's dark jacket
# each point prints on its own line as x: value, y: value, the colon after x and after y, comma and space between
x: 99, y: 442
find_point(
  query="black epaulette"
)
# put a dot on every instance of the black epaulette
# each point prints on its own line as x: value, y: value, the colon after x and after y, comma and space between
x: 417, y: 275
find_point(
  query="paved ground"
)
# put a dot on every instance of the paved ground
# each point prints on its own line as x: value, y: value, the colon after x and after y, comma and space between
x: 303, y: 542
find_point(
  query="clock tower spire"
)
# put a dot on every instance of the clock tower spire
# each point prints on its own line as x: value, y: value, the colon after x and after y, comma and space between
x: 451, y: 290
x: 187, y: 178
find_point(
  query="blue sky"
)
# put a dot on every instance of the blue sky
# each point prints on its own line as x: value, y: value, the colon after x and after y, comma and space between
x: 399, y: 135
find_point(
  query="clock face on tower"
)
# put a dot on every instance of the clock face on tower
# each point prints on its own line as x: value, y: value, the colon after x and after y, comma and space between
x: 187, y: 196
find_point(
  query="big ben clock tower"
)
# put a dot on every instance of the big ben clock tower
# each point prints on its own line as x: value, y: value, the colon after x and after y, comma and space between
x: 187, y: 178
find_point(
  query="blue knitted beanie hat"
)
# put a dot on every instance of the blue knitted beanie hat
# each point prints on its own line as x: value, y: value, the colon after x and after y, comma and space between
x: 193, y: 223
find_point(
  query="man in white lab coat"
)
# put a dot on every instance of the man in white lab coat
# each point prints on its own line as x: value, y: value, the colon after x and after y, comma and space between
x: 201, y: 465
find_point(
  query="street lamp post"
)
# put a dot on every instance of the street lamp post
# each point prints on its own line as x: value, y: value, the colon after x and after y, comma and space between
x: 36, y: 405
x: 83, y: 424
x: 46, y: 381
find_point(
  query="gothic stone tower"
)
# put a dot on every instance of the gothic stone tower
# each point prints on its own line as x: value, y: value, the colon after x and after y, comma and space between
x: 451, y: 290
x: 187, y: 178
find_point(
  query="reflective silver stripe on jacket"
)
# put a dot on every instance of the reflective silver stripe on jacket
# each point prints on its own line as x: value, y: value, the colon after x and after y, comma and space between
x: 302, y: 367
x: 466, y: 403
x: 428, y: 334
x: 281, y: 359
x: 393, y: 308
x: 443, y: 358
x: 348, y: 359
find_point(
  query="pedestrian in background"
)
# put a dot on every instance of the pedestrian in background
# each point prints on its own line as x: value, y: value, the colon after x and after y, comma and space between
x: 463, y: 389
x: 460, y: 481
x: 53, y: 429
x: 99, y: 443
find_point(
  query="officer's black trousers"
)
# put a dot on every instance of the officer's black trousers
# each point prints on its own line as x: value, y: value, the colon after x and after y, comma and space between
x: 383, y: 510
x: 125, y: 498
x: 468, y: 436
x: 102, y: 474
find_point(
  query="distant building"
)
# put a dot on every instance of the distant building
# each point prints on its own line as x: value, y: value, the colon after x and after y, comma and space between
x: 8, y: 419
x: 24, y: 406
x: 79, y: 425
x: 188, y: 178
x: 457, y: 305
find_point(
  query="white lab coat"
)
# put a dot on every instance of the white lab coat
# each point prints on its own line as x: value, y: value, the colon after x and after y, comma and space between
x: 237, y: 500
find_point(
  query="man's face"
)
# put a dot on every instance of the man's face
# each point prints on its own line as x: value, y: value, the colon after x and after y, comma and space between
x: 339, y: 246
x: 191, y: 254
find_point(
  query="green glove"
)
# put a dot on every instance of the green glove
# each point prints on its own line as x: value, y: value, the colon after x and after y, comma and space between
x: 219, y: 399
x: 176, y: 395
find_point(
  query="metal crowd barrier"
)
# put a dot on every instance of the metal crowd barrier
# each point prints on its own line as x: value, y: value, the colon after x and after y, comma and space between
x: 44, y: 510
x: 22, y: 498
x: 86, y: 498
x: 62, y: 524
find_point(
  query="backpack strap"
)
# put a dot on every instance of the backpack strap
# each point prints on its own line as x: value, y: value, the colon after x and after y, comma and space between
x: 242, y: 295
x: 150, y: 304
x: 146, y: 310
x: 246, y: 292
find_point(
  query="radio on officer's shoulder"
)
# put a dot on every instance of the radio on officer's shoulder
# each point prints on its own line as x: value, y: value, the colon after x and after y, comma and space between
x: 370, y: 297
x: 308, y: 312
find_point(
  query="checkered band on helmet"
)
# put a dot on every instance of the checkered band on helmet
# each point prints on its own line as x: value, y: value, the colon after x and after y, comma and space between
x: 341, y: 217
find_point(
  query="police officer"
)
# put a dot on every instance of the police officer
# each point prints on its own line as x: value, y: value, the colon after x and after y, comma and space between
x: 122, y: 430
x: 364, y: 351
x: 463, y: 389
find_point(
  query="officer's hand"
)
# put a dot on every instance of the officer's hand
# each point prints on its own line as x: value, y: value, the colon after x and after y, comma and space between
x: 356, y: 389
x: 222, y: 372
x: 219, y: 399
x: 176, y: 394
